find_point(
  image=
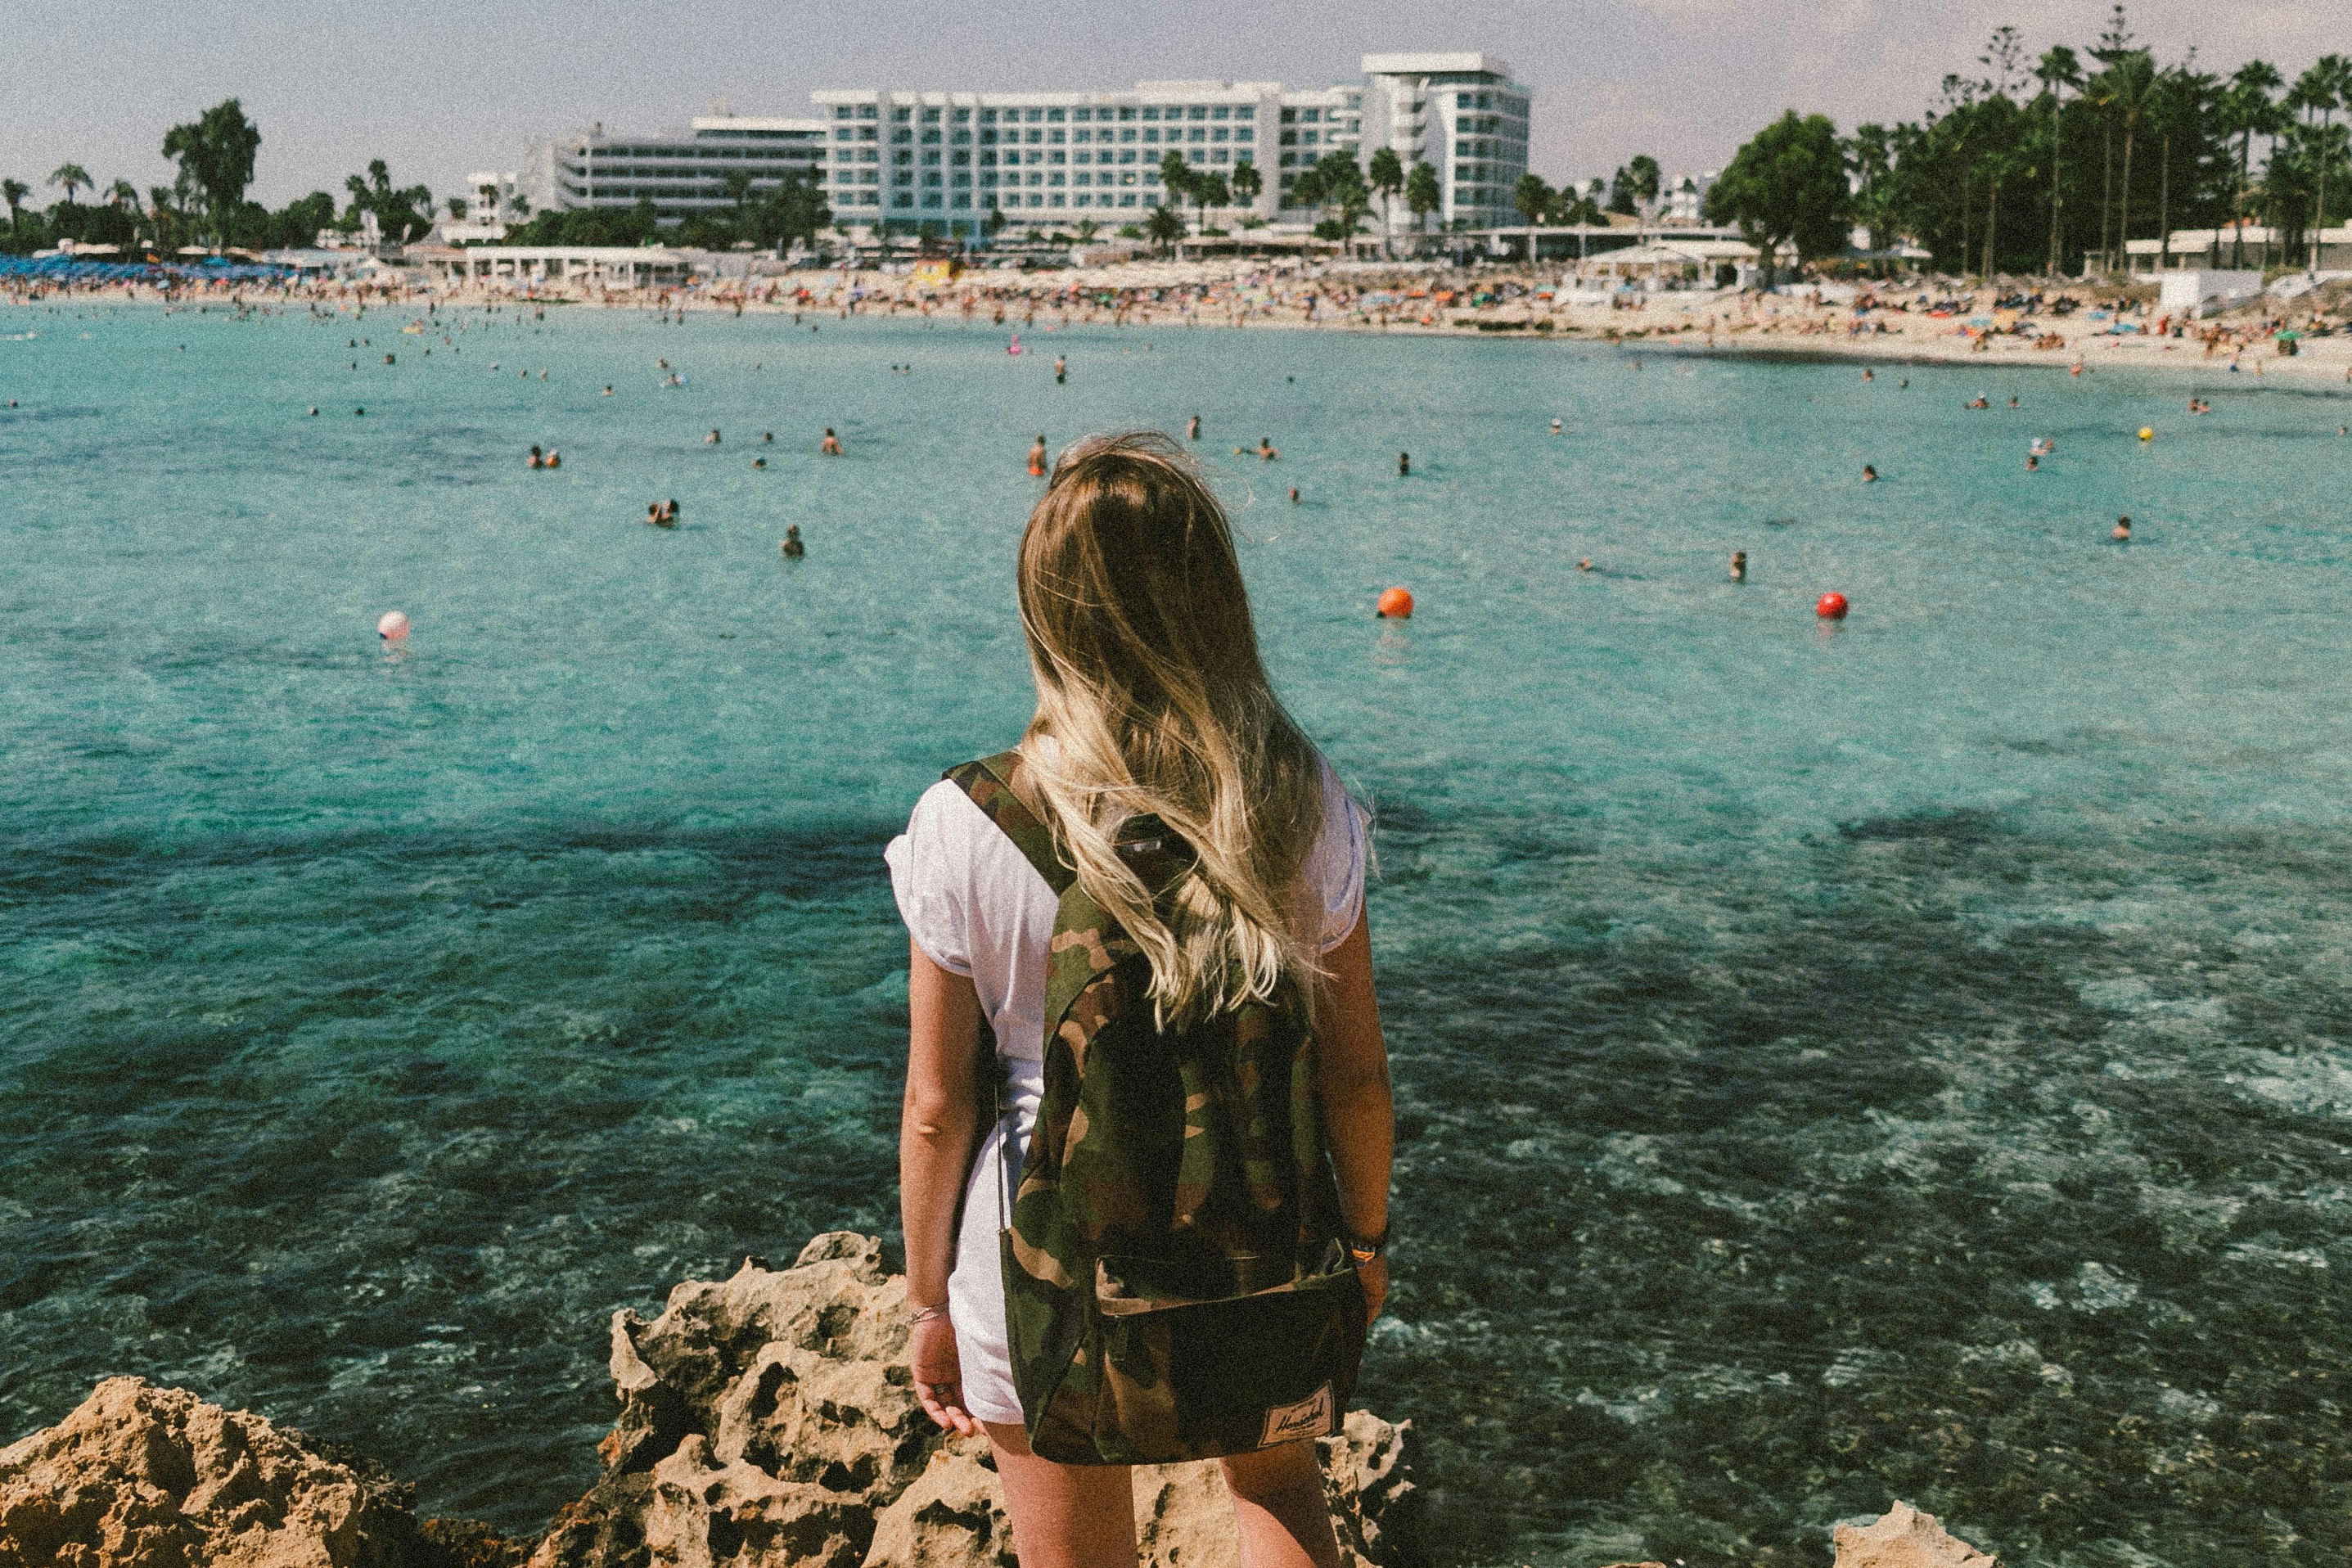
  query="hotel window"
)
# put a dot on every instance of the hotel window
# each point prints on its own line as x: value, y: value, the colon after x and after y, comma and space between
x: 1198, y: 111
x: 1052, y: 117
x: 1036, y: 198
x: 988, y: 117
x: 1055, y: 137
x: 1127, y: 136
x: 1011, y: 156
x: 1055, y: 178
x: 1126, y: 112
x: 1199, y: 134
x: 1054, y: 157
x: 1037, y: 116
x: 1082, y: 178
x: 1310, y: 115
x: 1127, y: 155
x: 865, y: 134
x: 1245, y: 133
x: 1221, y: 133
x: 963, y: 138
x: 1151, y: 135
x: 962, y: 117
x: 866, y: 111
x: 1036, y: 137
x: 903, y: 156
x: 1150, y: 113
x: 1290, y: 138
x: 869, y: 155
x: 1126, y: 176
x: 1307, y: 137
x: 1218, y: 154
x: 1082, y: 136
x: 1127, y: 199
x: 1037, y: 177
x: 1081, y: 116
x: 931, y: 156
x: 961, y: 158
x: 845, y: 113
x: 1222, y: 111
x: 931, y: 177
x: 930, y: 116
x: 901, y: 116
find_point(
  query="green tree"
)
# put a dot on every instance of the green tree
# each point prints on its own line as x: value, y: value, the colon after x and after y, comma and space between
x: 2131, y: 79
x: 1210, y: 190
x: 1422, y: 194
x: 2057, y: 70
x: 1166, y: 227
x: 1635, y: 185
x: 1342, y: 180
x: 1386, y: 174
x: 1176, y: 177
x: 1788, y: 185
x: 2247, y: 110
x: 1871, y: 149
x: 13, y: 192
x: 71, y: 177
x: 1248, y: 183
x: 215, y: 153
x: 2326, y: 86
x: 1532, y: 197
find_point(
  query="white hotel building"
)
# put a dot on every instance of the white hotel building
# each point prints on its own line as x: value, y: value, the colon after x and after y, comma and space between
x: 942, y: 162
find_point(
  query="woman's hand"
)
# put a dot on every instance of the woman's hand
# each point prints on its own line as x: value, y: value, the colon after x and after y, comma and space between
x: 938, y: 1377
x: 1374, y: 1277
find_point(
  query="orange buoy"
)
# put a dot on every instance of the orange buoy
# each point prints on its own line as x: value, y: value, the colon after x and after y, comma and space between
x: 1396, y: 604
x: 1830, y: 607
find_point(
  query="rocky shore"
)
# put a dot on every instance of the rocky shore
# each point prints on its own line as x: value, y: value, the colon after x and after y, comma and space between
x: 765, y: 1420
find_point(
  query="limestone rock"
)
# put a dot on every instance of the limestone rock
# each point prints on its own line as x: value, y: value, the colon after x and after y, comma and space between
x: 1902, y: 1537
x: 140, y: 1477
x: 769, y: 1419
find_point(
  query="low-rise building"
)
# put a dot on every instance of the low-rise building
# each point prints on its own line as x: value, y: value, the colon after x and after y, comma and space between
x: 680, y: 172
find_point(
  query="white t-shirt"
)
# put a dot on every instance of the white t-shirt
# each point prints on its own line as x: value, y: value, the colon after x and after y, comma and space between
x: 977, y: 908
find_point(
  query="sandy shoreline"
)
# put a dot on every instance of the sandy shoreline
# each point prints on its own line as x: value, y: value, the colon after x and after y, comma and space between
x: 1502, y: 303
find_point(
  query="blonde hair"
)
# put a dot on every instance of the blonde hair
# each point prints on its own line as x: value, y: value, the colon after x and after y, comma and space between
x: 1154, y: 702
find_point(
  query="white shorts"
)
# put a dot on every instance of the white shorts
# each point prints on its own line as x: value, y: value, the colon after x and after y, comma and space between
x: 976, y: 1289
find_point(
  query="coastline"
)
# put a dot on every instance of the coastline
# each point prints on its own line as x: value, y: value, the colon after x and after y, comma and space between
x: 1503, y: 303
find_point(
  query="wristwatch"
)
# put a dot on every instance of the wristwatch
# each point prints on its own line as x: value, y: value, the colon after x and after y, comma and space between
x: 1363, y: 1249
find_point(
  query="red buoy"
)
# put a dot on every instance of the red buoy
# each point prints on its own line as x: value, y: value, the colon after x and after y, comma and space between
x: 1396, y: 604
x: 1831, y: 607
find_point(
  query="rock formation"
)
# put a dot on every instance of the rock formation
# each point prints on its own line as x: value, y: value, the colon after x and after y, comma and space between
x: 1902, y: 1537
x: 140, y: 1477
x: 769, y: 1419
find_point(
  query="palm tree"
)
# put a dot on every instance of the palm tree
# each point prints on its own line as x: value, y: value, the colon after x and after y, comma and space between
x: 1210, y: 190
x: 1423, y: 194
x: 1386, y: 172
x: 2136, y: 81
x: 1178, y: 177
x: 2057, y: 70
x: 2326, y: 86
x: 2247, y: 112
x: 13, y: 192
x: 1165, y: 227
x: 73, y: 177
x: 1248, y: 183
x: 1532, y: 197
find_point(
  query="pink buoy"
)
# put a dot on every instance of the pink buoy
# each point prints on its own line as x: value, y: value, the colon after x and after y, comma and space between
x: 392, y: 626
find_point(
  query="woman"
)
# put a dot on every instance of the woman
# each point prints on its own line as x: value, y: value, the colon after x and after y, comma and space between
x: 1151, y: 701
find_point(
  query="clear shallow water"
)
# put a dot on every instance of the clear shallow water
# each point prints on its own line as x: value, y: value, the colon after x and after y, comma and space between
x: 1907, y: 1060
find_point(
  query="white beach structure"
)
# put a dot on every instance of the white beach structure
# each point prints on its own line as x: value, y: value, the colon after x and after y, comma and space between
x: 2200, y: 292
x: 613, y: 266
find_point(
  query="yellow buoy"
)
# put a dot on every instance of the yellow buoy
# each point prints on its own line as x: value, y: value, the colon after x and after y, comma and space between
x: 2147, y: 433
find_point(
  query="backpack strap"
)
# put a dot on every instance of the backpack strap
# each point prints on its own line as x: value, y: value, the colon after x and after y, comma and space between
x: 989, y: 783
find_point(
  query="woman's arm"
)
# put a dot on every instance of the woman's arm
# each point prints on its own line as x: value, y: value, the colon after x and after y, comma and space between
x: 1357, y: 1107
x: 937, y: 1128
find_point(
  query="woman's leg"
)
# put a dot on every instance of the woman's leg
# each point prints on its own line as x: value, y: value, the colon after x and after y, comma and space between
x: 1066, y: 1516
x: 1278, y: 1508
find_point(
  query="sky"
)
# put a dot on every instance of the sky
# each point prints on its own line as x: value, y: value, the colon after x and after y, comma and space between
x: 439, y: 88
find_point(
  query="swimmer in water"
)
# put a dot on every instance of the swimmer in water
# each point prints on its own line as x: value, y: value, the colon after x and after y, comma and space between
x: 1585, y: 564
x: 1193, y: 428
x: 831, y: 445
x: 1866, y: 375
x: 2032, y: 463
x: 608, y: 390
x: 536, y: 460
x: 1037, y: 459
x: 1739, y: 566
x: 1061, y: 370
x: 1903, y: 385
x: 2012, y: 400
x: 2121, y: 533
x: 767, y: 438
x: 1980, y: 402
x: 793, y: 547
x: 711, y: 439
x: 1869, y: 475
x: 554, y: 459
x: 759, y: 462
x: 1404, y: 465
x: 1555, y: 427
x: 1294, y: 495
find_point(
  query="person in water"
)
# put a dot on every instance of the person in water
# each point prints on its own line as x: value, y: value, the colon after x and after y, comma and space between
x: 831, y: 445
x: 1555, y: 427
x: 554, y: 459
x: 1585, y: 564
x: 1193, y: 428
x: 1404, y: 465
x: 2032, y: 463
x: 2121, y: 533
x: 759, y: 462
x: 536, y: 460
x: 711, y: 439
x: 1294, y: 495
x: 1266, y: 452
x: 1869, y: 475
x: 1061, y: 370
x: 1739, y: 566
x: 1170, y: 715
x: 1866, y: 375
x: 793, y: 547
x: 767, y: 438
x: 1037, y: 459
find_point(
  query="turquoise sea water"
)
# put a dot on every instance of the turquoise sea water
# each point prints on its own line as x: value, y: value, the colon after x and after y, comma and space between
x: 1902, y: 1060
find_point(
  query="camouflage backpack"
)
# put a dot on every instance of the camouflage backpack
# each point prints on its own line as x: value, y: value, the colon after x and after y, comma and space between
x: 1175, y: 1282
